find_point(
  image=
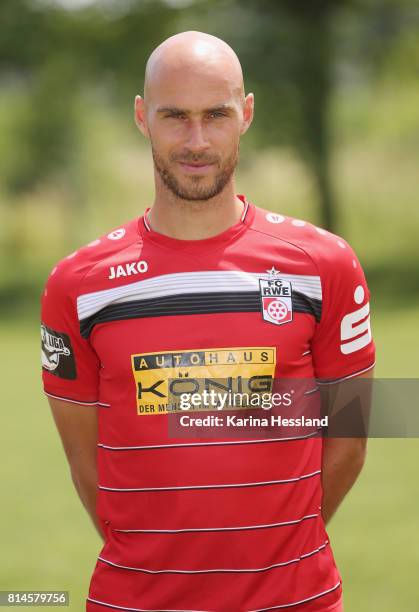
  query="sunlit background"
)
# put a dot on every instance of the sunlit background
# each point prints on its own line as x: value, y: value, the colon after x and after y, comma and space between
x: 335, y: 141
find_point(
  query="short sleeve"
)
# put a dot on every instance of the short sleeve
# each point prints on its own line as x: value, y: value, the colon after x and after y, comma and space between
x: 342, y: 345
x: 70, y: 366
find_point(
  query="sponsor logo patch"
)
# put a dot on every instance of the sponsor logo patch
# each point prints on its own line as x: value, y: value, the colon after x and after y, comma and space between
x: 274, y: 218
x: 135, y: 267
x: 162, y: 377
x: 355, y: 327
x: 57, y: 354
x: 117, y: 234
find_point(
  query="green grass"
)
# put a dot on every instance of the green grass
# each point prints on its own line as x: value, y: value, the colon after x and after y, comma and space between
x: 373, y: 534
x: 48, y: 541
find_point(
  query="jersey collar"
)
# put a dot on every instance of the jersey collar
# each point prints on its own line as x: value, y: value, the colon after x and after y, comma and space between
x: 227, y: 235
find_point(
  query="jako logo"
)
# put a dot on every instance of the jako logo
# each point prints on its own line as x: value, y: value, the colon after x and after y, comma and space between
x: 137, y: 267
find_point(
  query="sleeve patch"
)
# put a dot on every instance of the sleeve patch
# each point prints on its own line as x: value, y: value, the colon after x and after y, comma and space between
x: 57, y: 355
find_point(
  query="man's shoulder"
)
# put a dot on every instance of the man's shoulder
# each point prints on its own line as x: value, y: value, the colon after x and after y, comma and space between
x: 325, y: 248
x: 70, y: 271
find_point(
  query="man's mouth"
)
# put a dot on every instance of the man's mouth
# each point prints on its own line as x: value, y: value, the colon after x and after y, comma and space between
x: 196, y: 167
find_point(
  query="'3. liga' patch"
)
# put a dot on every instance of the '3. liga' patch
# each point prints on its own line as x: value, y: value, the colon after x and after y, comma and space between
x: 57, y: 354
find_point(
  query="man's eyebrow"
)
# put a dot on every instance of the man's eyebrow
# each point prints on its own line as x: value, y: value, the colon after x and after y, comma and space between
x: 170, y: 109
x: 219, y: 107
x: 175, y: 109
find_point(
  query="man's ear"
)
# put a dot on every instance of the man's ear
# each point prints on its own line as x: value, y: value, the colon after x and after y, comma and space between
x: 140, y: 116
x: 248, y: 111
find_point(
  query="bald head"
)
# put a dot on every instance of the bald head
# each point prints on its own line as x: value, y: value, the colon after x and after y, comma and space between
x: 189, y: 55
x: 194, y: 112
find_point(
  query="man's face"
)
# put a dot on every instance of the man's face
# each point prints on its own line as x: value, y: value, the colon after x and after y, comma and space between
x: 194, y: 123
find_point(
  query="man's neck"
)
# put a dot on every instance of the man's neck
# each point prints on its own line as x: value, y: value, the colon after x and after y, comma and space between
x: 196, y: 220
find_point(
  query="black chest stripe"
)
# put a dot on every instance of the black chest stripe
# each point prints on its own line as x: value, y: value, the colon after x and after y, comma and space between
x: 192, y: 304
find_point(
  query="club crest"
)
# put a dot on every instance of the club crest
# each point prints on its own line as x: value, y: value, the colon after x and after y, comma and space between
x: 276, y: 298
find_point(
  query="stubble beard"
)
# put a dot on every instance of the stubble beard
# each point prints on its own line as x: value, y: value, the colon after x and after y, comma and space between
x: 196, y: 192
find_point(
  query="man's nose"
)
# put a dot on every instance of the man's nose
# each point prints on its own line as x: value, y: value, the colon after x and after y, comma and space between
x: 197, y: 138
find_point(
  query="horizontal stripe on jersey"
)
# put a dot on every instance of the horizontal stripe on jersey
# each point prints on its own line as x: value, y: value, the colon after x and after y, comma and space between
x: 242, y: 528
x: 99, y: 603
x: 219, y: 570
x: 188, y: 294
x: 189, y: 444
x: 190, y: 283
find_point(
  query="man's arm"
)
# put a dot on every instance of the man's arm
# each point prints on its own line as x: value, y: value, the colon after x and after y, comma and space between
x: 343, y: 458
x: 77, y: 426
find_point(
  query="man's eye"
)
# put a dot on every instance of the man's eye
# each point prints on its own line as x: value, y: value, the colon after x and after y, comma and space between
x: 216, y: 114
x: 175, y: 116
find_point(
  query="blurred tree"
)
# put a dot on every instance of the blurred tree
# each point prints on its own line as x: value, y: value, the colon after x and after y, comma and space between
x: 53, y: 54
x: 289, y: 52
x: 294, y: 44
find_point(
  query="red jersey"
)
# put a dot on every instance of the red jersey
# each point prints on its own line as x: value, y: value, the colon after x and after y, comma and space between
x: 229, y: 525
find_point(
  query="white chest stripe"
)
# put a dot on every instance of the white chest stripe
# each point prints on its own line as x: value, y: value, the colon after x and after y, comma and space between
x: 189, y: 282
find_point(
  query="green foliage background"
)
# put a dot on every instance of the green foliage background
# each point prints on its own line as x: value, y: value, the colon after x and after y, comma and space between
x: 335, y: 141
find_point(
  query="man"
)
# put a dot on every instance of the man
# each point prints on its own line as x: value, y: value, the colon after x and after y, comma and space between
x: 227, y: 525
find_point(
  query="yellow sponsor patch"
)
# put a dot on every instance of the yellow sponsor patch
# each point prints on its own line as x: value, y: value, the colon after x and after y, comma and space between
x: 161, y: 378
